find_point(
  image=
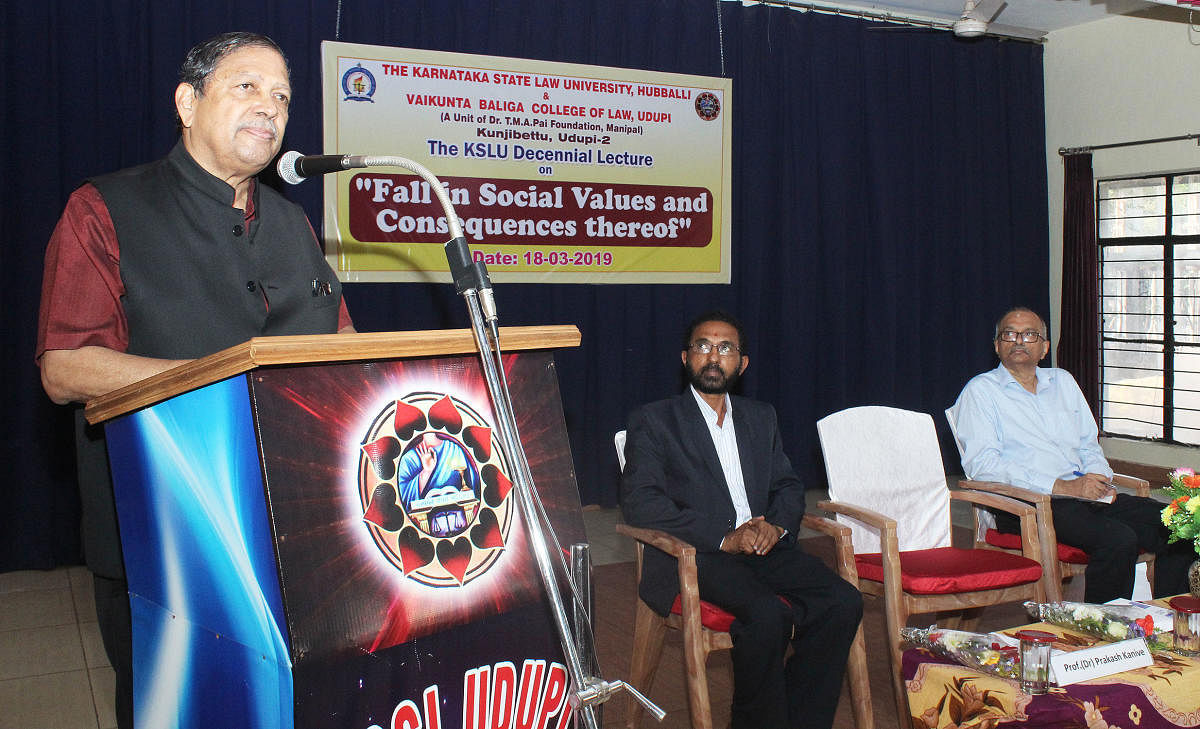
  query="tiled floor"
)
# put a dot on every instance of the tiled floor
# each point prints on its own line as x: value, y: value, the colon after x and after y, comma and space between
x: 53, y: 671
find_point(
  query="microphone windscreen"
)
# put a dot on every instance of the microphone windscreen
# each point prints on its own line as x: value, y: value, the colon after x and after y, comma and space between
x: 287, y: 168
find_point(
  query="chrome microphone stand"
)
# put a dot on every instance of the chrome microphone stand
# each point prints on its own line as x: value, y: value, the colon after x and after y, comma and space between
x: 472, y: 283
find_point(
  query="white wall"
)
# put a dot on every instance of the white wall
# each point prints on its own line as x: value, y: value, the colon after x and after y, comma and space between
x: 1116, y: 80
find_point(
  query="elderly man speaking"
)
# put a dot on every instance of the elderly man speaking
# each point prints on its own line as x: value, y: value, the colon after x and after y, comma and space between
x: 174, y: 260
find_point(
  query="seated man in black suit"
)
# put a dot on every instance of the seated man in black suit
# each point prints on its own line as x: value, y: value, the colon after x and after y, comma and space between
x: 710, y: 469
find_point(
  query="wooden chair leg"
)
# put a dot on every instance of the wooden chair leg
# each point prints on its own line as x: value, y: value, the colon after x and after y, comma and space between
x: 648, y: 633
x: 859, y: 683
x: 895, y: 617
x: 1053, y: 579
x: 695, y: 657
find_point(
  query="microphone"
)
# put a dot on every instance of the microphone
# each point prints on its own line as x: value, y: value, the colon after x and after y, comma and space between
x: 294, y: 167
x: 468, y: 274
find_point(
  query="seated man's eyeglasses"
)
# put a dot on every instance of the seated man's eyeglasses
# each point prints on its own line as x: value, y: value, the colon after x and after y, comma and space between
x: 1028, y: 337
x: 723, y: 348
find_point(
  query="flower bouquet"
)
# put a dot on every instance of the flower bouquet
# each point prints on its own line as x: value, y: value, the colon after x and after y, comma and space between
x: 1181, y: 517
x: 986, y: 652
x: 1106, y: 622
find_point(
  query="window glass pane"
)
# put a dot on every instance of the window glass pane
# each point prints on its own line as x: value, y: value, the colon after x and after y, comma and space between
x: 1132, y: 389
x: 1185, y: 205
x: 1187, y: 402
x: 1138, y: 422
x: 1136, y: 322
x: 1187, y: 293
x: 1186, y: 394
x: 1132, y: 208
x: 1137, y: 187
x: 1133, y: 364
x: 1190, y: 436
x: 1131, y: 295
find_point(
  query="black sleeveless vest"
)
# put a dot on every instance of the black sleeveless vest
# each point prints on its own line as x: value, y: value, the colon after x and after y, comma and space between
x: 196, y: 280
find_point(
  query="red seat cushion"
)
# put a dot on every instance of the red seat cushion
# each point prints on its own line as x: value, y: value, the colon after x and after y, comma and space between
x: 946, y: 570
x: 1066, y: 553
x: 711, y: 616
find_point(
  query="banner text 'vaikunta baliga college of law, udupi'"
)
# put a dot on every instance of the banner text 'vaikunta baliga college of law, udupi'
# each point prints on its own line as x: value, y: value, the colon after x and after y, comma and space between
x: 557, y: 172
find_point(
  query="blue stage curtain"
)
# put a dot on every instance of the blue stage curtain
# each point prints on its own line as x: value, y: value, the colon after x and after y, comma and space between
x: 889, y: 198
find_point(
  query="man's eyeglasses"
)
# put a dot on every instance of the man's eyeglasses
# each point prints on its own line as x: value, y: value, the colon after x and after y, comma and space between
x: 1028, y: 337
x: 706, y: 347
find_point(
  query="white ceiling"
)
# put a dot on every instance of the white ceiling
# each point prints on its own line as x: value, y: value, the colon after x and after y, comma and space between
x: 1041, y: 15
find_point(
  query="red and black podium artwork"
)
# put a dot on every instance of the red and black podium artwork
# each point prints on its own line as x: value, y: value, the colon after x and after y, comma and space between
x: 383, y: 508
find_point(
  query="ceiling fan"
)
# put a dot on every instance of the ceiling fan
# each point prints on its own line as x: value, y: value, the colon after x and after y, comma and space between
x: 977, y: 17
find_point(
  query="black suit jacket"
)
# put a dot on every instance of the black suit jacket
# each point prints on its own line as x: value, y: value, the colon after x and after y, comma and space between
x: 673, y: 481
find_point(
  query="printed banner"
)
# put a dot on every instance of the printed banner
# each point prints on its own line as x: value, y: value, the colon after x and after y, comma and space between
x: 557, y: 172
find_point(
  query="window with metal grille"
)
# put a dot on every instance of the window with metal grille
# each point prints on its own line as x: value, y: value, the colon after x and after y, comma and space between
x: 1148, y: 229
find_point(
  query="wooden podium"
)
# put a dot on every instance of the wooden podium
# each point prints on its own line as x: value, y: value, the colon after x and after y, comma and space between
x: 320, y: 531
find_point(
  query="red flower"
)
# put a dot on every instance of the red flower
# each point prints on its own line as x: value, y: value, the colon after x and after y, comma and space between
x: 1146, y: 623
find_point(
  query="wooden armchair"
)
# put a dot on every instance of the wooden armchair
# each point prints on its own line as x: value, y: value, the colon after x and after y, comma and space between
x: 705, y: 628
x: 890, y: 459
x: 1062, y: 561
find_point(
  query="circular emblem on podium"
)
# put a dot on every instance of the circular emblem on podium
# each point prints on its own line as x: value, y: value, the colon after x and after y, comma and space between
x: 434, y: 489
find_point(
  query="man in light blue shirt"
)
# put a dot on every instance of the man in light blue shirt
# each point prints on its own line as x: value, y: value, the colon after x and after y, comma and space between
x: 1031, y: 427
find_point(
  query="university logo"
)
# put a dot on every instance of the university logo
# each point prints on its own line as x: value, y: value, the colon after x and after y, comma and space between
x: 434, y: 489
x: 708, y: 106
x: 358, y: 84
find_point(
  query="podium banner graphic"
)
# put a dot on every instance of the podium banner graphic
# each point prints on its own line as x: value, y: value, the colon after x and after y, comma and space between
x: 558, y: 172
x: 400, y: 589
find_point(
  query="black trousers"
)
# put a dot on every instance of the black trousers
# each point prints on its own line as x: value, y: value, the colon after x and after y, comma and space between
x: 112, y: 612
x: 102, y: 548
x: 1112, y: 534
x: 824, y: 613
x: 101, y: 539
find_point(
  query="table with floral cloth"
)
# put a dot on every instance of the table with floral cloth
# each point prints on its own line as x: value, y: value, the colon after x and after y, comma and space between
x: 945, y: 695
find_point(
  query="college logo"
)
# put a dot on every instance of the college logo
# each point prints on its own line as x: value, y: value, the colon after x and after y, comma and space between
x: 708, y: 106
x: 358, y: 84
x: 434, y: 489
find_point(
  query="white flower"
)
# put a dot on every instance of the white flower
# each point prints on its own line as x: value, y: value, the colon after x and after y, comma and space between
x: 1117, y: 630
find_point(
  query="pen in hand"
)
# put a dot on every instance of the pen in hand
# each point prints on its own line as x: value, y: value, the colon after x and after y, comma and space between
x: 1112, y: 488
x: 1109, y: 484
